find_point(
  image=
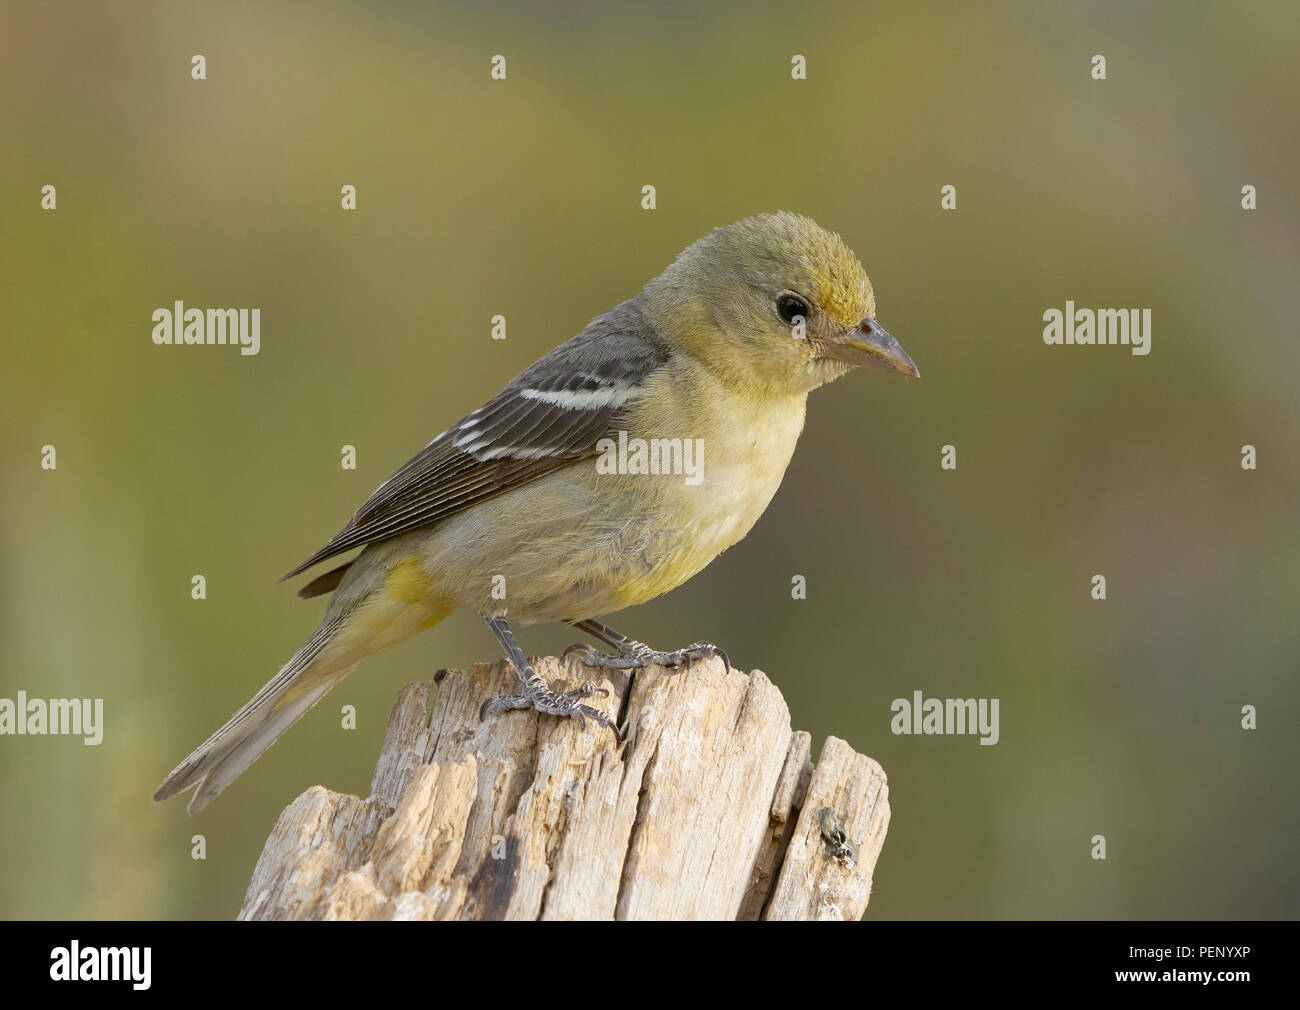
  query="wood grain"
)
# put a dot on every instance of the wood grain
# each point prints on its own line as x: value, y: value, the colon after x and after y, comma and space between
x: 709, y: 809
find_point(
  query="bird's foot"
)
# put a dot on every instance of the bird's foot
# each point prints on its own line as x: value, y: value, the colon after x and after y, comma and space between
x: 633, y: 655
x: 537, y: 693
x: 540, y: 696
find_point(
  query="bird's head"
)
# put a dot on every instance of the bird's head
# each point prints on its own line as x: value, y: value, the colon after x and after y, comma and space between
x: 775, y: 299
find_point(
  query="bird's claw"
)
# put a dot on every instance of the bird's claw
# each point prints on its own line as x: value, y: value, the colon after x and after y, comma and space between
x: 561, y: 703
x: 635, y: 655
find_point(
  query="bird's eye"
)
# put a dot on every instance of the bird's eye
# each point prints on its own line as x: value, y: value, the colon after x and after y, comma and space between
x: 789, y: 306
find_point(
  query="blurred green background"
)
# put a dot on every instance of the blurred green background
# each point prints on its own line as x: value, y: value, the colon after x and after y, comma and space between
x: 522, y: 198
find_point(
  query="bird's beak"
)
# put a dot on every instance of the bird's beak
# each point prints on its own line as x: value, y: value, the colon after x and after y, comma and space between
x: 870, y: 344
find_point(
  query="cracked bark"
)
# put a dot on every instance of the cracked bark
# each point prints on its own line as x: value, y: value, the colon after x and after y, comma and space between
x: 709, y: 810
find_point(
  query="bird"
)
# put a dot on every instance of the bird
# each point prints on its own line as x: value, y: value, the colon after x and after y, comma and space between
x: 521, y: 512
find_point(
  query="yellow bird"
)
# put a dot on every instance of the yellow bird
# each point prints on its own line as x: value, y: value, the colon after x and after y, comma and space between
x: 609, y: 472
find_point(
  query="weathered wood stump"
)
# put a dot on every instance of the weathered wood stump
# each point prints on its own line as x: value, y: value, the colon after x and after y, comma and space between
x: 710, y: 809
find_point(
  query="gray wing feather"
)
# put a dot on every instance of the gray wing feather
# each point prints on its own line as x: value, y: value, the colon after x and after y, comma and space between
x: 519, y: 435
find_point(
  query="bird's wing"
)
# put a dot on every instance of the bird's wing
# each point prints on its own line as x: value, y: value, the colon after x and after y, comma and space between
x: 547, y: 417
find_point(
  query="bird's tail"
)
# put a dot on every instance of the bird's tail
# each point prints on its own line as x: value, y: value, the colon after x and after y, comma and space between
x: 381, y: 607
x: 220, y: 759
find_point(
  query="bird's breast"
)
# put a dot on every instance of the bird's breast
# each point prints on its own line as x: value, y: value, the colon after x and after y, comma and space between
x: 741, y: 448
x: 672, y: 491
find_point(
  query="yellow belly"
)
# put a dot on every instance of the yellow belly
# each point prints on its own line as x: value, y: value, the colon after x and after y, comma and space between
x: 581, y: 543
